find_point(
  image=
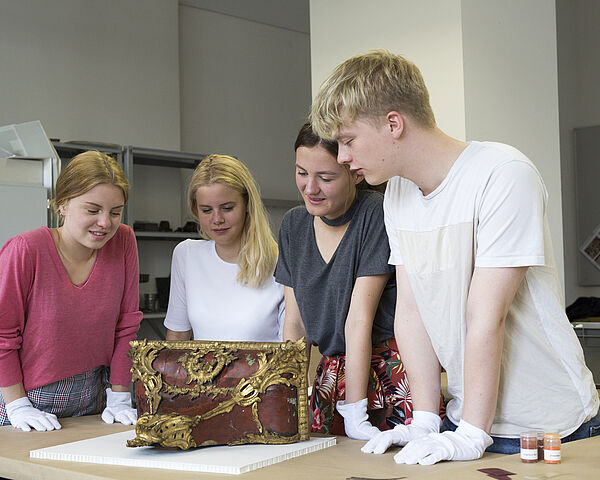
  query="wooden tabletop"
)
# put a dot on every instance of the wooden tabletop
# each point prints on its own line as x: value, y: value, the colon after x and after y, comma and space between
x: 581, y: 460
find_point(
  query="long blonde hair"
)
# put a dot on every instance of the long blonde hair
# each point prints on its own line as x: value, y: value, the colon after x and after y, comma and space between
x: 258, y: 253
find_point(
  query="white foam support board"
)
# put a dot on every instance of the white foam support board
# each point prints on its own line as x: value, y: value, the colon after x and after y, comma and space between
x: 112, y: 450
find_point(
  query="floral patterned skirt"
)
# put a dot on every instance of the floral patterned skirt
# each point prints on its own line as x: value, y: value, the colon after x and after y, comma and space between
x: 388, y: 395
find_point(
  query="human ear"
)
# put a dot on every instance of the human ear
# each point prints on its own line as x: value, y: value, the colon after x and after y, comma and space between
x: 394, y: 124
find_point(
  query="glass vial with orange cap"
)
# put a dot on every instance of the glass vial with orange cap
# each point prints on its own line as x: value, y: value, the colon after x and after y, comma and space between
x: 552, y: 448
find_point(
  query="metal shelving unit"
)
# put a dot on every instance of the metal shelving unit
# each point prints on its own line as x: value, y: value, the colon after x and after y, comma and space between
x: 167, y: 158
x: 158, y: 158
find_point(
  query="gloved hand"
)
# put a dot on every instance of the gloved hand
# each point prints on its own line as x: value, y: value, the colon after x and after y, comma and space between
x: 356, y: 420
x: 422, y: 424
x: 467, y: 443
x: 118, y: 407
x: 22, y: 414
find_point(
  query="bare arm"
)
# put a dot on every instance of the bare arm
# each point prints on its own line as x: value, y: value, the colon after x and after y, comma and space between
x: 419, y: 358
x: 490, y: 295
x: 119, y: 388
x: 172, y: 335
x: 293, y: 328
x: 358, y: 331
x: 12, y: 392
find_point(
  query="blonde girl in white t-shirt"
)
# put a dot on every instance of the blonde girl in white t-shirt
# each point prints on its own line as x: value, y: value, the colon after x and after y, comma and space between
x: 223, y: 288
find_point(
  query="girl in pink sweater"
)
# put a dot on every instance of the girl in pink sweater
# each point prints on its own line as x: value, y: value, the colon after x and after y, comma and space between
x: 69, y: 305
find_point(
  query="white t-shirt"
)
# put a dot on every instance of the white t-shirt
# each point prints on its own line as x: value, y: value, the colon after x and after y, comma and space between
x: 490, y: 211
x: 206, y: 297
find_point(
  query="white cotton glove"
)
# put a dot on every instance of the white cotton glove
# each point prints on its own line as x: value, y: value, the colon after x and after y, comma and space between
x: 22, y: 414
x: 467, y: 443
x: 423, y: 423
x: 356, y: 420
x: 118, y: 407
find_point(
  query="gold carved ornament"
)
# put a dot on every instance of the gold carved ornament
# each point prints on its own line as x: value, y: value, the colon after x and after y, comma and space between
x: 278, y: 363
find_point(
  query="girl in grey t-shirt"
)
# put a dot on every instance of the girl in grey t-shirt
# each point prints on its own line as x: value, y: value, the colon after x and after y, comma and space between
x: 340, y: 294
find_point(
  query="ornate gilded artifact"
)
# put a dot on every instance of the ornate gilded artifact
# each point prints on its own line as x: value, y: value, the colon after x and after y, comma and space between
x: 197, y: 394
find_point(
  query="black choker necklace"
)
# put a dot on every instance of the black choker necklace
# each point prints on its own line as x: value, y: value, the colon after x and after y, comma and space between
x: 344, y: 217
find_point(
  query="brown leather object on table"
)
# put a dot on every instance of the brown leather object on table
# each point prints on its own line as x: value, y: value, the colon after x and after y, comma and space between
x: 192, y: 394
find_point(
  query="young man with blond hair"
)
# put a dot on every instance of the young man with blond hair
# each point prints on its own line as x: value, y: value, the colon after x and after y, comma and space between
x: 478, y: 290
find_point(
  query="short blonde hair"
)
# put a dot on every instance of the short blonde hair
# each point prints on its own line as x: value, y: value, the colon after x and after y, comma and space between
x: 84, y: 172
x: 369, y: 86
x: 258, y: 254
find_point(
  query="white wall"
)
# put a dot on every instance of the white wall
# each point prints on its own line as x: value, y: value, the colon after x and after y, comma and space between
x: 245, y: 91
x: 98, y: 70
x: 511, y: 87
x: 102, y: 71
x: 579, y: 77
x: 427, y: 32
x: 490, y: 66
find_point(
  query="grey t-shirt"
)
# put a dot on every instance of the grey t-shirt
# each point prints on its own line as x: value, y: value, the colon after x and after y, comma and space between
x: 323, y: 290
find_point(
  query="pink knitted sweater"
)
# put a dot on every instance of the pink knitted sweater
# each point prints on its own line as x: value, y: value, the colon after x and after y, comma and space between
x: 51, y: 329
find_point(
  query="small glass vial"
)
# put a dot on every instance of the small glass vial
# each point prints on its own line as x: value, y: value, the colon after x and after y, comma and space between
x: 540, y: 446
x: 552, y: 448
x: 529, y: 447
